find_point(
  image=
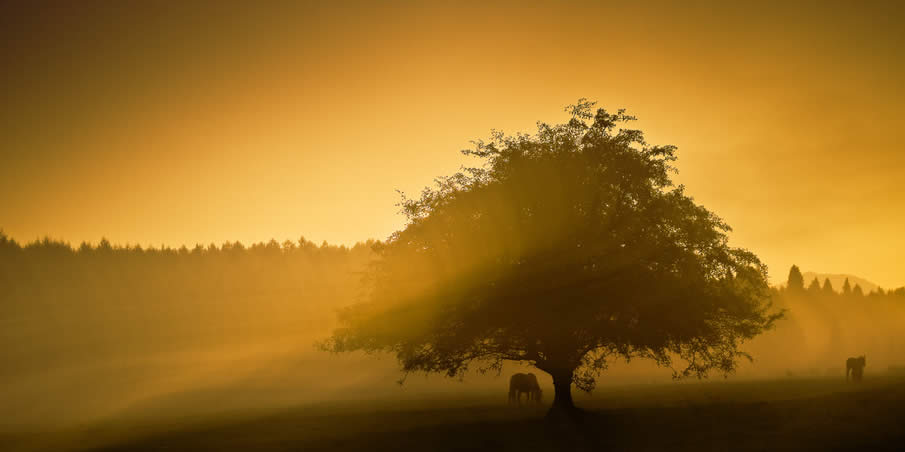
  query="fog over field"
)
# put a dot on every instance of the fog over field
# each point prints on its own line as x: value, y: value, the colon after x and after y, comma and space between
x: 105, y: 332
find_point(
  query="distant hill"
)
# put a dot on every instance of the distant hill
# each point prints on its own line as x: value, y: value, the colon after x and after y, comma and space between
x: 837, y: 280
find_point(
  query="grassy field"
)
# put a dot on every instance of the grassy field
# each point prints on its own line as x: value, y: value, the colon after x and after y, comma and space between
x: 788, y: 414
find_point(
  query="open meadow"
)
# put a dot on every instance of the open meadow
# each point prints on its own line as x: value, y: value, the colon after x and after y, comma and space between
x: 783, y: 414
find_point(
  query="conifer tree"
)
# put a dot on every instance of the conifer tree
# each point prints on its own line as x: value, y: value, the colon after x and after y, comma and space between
x: 796, y: 281
x: 814, y: 287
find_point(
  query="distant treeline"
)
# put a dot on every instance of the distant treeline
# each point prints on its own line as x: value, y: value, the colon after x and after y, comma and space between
x: 61, y: 305
x: 824, y: 326
x: 795, y: 285
x: 49, y: 249
x: 231, y: 266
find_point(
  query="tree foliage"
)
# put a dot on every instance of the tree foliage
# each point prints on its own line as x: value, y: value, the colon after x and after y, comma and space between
x: 565, y: 249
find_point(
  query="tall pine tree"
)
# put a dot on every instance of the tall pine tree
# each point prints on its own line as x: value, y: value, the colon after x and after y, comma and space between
x: 814, y: 287
x: 796, y: 281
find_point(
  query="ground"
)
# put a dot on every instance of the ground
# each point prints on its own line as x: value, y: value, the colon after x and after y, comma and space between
x: 789, y: 414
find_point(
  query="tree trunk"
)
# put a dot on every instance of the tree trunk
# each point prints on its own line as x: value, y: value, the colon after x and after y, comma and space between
x: 563, y: 406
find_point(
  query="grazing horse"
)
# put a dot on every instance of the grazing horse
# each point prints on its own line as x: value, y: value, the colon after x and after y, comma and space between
x: 855, y: 366
x: 524, y: 383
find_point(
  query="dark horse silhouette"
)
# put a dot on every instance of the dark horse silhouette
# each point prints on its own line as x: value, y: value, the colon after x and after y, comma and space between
x: 524, y: 383
x: 855, y: 366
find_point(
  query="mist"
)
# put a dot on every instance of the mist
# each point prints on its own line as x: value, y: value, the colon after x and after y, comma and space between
x: 824, y: 327
x: 104, y: 332
x: 97, y: 331
x: 101, y: 331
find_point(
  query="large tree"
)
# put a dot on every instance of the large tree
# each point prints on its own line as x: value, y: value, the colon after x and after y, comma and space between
x: 566, y: 249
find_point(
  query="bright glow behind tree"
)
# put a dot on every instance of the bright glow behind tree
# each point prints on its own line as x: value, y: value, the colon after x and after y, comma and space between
x: 567, y: 248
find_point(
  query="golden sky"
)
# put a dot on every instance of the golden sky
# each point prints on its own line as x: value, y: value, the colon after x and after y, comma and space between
x: 163, y: 123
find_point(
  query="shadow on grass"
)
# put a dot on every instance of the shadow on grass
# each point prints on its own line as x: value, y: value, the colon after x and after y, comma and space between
x: 865, y: 418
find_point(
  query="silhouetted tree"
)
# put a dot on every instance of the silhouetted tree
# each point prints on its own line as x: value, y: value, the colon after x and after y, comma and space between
x: 104, y: 247
x: 846, y: 288
x: 814, y: 287
x: 828, y: 287
x: 857, y: 291
x: 568, y: 248
x: 796, y: 281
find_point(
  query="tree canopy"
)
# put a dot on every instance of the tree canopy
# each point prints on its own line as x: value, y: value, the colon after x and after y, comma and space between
x: 566, y: 249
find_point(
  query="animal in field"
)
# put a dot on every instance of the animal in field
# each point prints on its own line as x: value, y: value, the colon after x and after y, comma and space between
x: 855, y: 367
x: 524, y: 384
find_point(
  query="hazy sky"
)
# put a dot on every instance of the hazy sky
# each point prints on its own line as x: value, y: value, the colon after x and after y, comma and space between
x: 163, y: 123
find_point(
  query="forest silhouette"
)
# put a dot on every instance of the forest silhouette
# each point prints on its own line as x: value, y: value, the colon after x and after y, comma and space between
x: 93, y: 329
